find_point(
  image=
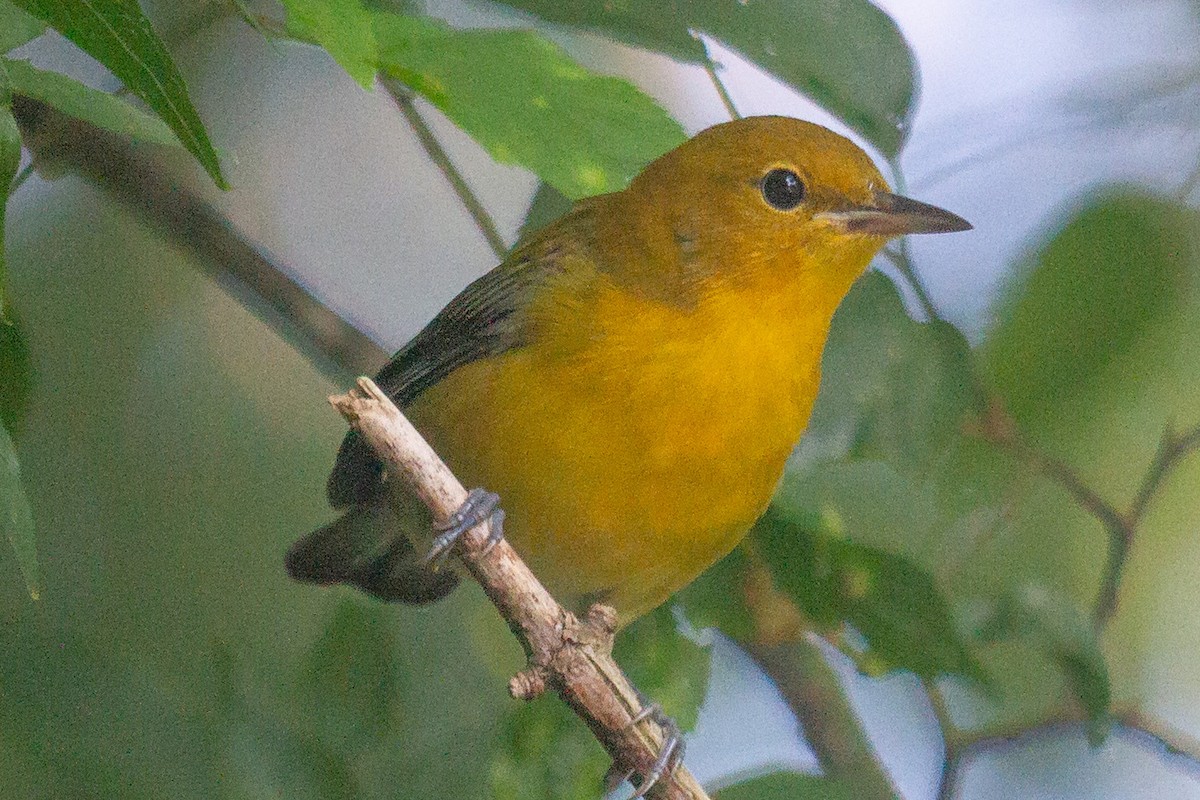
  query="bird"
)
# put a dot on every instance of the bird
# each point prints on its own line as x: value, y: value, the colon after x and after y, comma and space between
x: 627, y: 385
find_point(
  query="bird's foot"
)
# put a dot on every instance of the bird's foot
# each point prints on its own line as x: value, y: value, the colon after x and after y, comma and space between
x: 480, y: 505
x: 670, y: 755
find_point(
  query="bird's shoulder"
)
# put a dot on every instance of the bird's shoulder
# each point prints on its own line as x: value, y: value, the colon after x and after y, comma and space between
x: 489, y: 317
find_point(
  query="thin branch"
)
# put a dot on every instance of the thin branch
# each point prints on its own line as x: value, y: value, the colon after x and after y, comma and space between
x: 569, y: 656
x: 815, y: 695
x: 901, y: 260
x: 1171, y: 449
x: 119, y: 168
x: 996, y: 427
x: 1155, y: 738
x: 710, y: 67
x: 787, y: 651
x: 1168, y: 744
x: 441, y: 159
x: 1189, y: 184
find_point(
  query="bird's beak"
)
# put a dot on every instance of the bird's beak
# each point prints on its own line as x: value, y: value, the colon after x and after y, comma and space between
x: 892, y: 215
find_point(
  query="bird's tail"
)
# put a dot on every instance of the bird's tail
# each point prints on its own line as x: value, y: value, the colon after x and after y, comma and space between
x: 362, y: 548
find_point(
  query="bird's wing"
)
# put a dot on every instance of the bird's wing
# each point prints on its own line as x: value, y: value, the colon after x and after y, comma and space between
x: 485, y: 319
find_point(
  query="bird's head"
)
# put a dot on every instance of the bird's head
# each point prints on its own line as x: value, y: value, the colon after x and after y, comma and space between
x: 769, y: 194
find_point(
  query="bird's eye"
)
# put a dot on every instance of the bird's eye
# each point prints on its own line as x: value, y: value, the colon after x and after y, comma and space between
x: 783, y: 189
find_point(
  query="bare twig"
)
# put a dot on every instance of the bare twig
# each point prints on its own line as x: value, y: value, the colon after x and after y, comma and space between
x: 567, y: 655
x: 441, y: 159
x: 1171, y: 448
x: 1149, y: 734
x: 997, y: 427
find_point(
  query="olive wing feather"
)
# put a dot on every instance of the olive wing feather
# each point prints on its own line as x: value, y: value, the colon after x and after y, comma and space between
x: 485, y: 319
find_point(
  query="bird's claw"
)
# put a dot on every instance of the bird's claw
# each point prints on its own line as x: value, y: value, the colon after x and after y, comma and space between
x: 480, y: 505
x: 669, y: 756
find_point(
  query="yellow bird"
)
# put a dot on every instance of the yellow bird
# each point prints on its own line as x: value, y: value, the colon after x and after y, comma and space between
x: 631, y: 380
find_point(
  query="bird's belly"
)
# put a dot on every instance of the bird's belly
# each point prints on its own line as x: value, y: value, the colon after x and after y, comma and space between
x: 614, y: 492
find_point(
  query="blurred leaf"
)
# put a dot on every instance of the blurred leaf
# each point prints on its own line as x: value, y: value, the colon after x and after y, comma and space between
x: 16, y: 518
x: 1067, y: 635
x: 845, y: 54
x: 787, y: 786
x: 548, y: 205
x: 351, y: 678
x: 545, y: 752
x: 90, y: 105
x: 594, y: 133
x: 716, y: 599
x: 117, y: 34
x: 665, y: 666
x: 17, y: 27
x: 16, y: 371
x: 892, y: 388
x: 10, y: 161
x: 343, y: 28
x: 98, y: 726
x: 1113, y: 270
x: 891, y: 601
x: 264, y: 757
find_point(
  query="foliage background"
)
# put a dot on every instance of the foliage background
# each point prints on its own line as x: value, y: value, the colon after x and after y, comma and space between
x: 175, y: 442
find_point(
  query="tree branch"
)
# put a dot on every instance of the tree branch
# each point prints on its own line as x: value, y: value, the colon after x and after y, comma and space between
x: 117, y: 167
x: 998, y: 428
x: 785, y: 647
x: 569, y: 656
x: 815, y: 695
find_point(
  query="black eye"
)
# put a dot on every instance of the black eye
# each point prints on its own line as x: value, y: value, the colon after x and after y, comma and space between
x: 783, y: 189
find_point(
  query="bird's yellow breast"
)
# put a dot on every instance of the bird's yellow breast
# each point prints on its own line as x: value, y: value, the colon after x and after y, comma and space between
x: 633, y: 443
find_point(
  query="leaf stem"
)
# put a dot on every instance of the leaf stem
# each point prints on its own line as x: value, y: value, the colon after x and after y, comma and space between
x: 902, y: 261
x: 710, y: 67
x: 441, y: 159
x: 20, y: 178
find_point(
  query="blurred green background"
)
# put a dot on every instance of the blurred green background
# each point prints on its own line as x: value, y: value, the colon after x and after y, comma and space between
x: 176, y: 439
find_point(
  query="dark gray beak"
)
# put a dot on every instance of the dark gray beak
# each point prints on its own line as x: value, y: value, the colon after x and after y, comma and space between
x: 892, y: 215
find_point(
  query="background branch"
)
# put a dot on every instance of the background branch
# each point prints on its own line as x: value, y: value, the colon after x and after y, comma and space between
x: 815, y: 695
x: 998, y: 428
x: 115, y: 165
x: 565, y: 654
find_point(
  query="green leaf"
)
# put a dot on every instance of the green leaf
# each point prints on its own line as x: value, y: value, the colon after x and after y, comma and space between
x: 1067, y: 635
x: 717, y: 600
x: 351, y: 679
x: 90, y: 105
x: 847, y: 55
x: 891, y: 601
x: 1114, y: 270
x: 664, y: 665
x: 16, y: 518
x: 17, y: 27
x: 593, y: 133
x: 16, y: 371
x: 117, y: 34
x: 548, y: 205
x: 892, y: 388
x: 343, y: 28
x: 10, y: 161
x: 787, y: 786
x: 544, y: 752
